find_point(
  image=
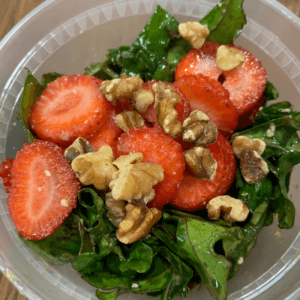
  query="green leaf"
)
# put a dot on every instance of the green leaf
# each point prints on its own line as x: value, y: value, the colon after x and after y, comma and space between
x: 156, y: 279
x: 106, y: 280
x: 107, y: 295
x: 140, y: 258
x: 181, y: 276
x: 285, y: 166
x: 283, y: 138
x: 246, y: 238
x: 286, y: 212
x: 102, y: 70
x: 254, y: 194
x: 274, y: 111
x: 47, y: 78
x: 270, y: 92
x: 62, y: 246
x: 85, y: 261
x: 231, y: 19
x: 196, y: 240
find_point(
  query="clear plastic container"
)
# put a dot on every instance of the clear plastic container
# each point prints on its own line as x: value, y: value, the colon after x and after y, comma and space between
x: 66, y: 36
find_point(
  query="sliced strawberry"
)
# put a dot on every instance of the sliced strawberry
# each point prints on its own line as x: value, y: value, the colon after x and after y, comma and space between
x: 70, y: 107
x: 201, y: 61
x: 123, y: 104
x: 44, y: 190
x: 183, y: 107
x: 107, y: 135
x: 193, y: 194
x: 246, y: 83
x: 247, y: 119
x: 208, y: 95
x: 5, y: 173
x: 159, y: 148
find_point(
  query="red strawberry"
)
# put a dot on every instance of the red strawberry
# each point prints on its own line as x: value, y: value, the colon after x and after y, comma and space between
x: 107, y: 135
x: 201, y: 61
x: 246, y: 83
x: 193, y: 194
x: 208, y: 95
x: 247, y: 119
x: 44, y: 190
x: 5, y: 173
x: 70, y: 107
x: 183, y: 107
x: 159, y: 148
x: 123, y: 104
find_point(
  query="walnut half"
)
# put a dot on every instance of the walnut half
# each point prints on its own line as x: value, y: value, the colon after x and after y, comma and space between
x: 194, y: 32
x: 129, y: 119
x: 202, y: 163
x: 79, y: 146
x: 233, y: 209
x: 199, y: 129
x: 241, y: 143
x: 165, y: 100
x: 253, y: 167
x: 137, y: 223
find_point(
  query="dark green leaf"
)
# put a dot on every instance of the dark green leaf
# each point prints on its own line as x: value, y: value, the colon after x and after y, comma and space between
x: 47, y: 78
x: 285, y: 166
x: 254, y: 194
x: 62, y: 246
x: 246, y: 238
x: 286, y: 212
x: 107, y: 295
x: 156, y: 279
x: 270, y: 92
x: 102, y: 70
x: 196, y: 240
x: 181, y: 275
x: 140, y: 258
x: 230, y: 24
x: 86, y: 260
x: 106, y: 280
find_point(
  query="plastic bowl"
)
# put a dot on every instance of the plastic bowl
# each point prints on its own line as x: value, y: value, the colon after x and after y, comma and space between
x: 66, y: 36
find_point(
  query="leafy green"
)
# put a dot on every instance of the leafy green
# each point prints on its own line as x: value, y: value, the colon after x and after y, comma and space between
x: 246, y: 238
x: 140, y: 258
x: 107, y: 295
x: 181, y: 275
x: 286, y: 212
x: 270, y: 92
x: 62, y: 246
x: 254, y: 194
x: 223, y: 29
x: 103, y: 70
x: 196, y: 240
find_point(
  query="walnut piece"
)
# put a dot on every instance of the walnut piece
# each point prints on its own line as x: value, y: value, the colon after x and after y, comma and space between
x: 95, y: 167
x: 229, y: 58
x: 253, y: 167
x: 165, y: 100
x: 233, y: 209
x: 121, y: 87
x: 241, y: 143
x: 79, y: 146
x: 194, y: 32
x: 202, y: 163
x: 199, y: 129
x: 137, y: 223
x: 129, y: 88
x: 115, y: 210
x: 141, y: 99
x: 134, y: 179
x: 129, y: 119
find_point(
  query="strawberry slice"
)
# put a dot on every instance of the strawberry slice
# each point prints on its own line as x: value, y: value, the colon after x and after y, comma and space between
x: 246, y: 83
x: 44, y: 190
x: 201, y: 61
x: 208, y: 95
x: 183, y: 107
x: 247, y: 118
x: 193, y: 194
x: 5, y: 173
x: 158, y: 148
x: 70, y: 107
x: 107, y: 135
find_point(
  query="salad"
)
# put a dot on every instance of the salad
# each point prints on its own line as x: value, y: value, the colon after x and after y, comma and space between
x: 171, y: 166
